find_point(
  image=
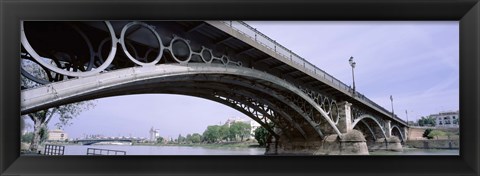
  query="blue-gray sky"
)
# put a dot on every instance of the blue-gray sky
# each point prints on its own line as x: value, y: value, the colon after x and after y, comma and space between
x: 416, y: 62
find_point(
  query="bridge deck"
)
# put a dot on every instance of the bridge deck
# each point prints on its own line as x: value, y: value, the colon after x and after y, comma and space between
x: 288, y: 62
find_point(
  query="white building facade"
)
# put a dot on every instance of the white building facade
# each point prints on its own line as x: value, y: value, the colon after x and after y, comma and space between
x: 253, y: 126
x: 447, y: 119
x: 57, y: 135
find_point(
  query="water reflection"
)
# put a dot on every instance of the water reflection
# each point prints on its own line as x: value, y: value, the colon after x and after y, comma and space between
x: 189, y: 150
x: 167, y: 150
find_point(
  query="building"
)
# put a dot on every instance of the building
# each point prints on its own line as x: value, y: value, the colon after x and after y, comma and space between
x: 57, y: 135
x: 446, y: 119
x: 154, y: 134
x: 254, y: 125
x: 230, y: 121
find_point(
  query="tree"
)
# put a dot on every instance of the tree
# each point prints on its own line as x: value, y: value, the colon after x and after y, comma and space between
x: 426, y: 133
x: 43, y: 134
x: 223, y: 132
x: 426, y: 121
x: 436, y: 133
x: 261, y: 135
x: 212, y: 134
x: 181, y: 139
x: 160, y: 139
x: 188, y: 139
x: 456, y: 121
x: 194, y: 138
x: 42, y: 118
x: 240, y: 129
x: 27, y: 137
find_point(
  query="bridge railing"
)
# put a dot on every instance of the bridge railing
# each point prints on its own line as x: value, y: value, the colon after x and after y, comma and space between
x: 271, y: 44
x: 97, y: 151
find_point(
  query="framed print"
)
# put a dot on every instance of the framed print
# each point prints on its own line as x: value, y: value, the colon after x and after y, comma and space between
x: 274, y: 88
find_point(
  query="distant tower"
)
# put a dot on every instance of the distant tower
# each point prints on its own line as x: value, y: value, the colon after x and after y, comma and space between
x: 154, y: 134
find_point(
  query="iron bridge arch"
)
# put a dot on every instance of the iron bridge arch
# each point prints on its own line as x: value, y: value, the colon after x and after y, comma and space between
x: 177, y: 67
x: 375, y: 127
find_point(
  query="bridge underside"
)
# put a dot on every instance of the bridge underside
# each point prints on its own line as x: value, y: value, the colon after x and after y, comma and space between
x: 303, y: 114
x: 280, y: 107
x: 91, y: 142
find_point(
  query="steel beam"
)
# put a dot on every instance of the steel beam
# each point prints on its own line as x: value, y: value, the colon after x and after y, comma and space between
x: 195, y: 27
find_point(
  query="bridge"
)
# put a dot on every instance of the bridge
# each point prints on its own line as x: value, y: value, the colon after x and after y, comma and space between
x: 306, y: 110
x: 94, y: 141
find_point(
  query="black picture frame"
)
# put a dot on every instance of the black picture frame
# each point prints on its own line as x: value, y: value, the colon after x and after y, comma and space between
x: 467, y: 12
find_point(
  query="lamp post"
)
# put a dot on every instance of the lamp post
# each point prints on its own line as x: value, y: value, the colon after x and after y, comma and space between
x: 406, y: 114
x: 352, y: 63
x: 391, y: 99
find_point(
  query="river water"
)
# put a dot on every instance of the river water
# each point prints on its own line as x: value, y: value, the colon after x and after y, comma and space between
x: 187, y: 150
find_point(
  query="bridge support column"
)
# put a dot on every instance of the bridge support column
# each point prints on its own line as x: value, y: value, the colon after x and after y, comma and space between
x: 351, y: 143
x: 405, y: 131
x: 391, y: 144
x: 388, y: 128
x: 345, y: 121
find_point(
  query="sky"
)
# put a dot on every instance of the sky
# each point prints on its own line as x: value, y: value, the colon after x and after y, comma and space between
x: 415, y: 62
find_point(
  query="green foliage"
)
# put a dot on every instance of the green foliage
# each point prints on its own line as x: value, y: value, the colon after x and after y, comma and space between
x: 27, y: 137
x: 456, y: 121
x: 436, y: 133
x: 217, y: 133
x: 181, y: 139
x: 261, y: 135
x: 212, y: 134
x: 33, y: 69
x: 239, y: 129
x: 43, y: 134
x: 223, y: 132
x: 69, y: 111
x: 449, y: 134
x: 160, y: 139
x: 426, y: 133
x: 426, y: 121
x: 194, y: 138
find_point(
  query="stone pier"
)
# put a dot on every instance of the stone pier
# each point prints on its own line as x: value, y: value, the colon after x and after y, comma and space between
x: 351, y: 143
x: 390, y: 144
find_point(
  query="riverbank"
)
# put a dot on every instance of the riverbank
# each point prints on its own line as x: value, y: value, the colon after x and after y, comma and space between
x: 416, y: 151
x: 434, y: 144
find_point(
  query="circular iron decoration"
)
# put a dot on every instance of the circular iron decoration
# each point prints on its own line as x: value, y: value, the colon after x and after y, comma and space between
x: 123, y: 44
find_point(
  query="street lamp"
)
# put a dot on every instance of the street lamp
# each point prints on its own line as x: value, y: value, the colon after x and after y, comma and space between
x: 352, y: 63
x: 406, y: 114
x: 391, y: 99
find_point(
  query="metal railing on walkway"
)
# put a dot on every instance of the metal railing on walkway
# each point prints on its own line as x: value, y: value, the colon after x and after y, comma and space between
x: 97, y: 151
x: 54, y: 150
